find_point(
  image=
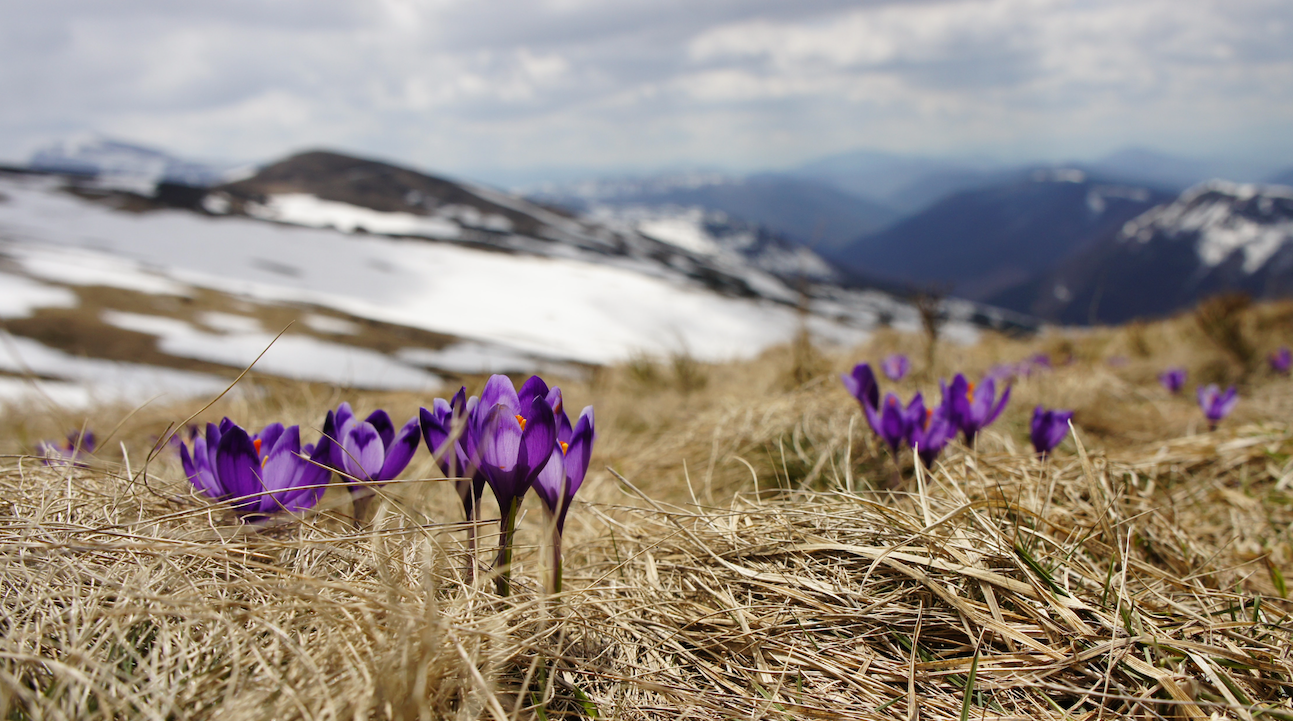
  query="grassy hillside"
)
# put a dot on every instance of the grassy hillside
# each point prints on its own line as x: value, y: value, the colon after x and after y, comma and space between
x: 741, y: 549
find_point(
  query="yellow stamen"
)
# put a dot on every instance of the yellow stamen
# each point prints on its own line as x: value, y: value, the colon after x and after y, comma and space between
x: 564, y: 447
x: 521, y: 419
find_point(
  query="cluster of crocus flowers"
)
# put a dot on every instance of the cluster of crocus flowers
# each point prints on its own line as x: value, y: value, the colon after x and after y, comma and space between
x: 1216, y: 404
x: 73, y: 451
x: 1173, y: 379
x: 965, y: 408
x: 1048, y: 429
x: 259, y: 474
x: 511, y: 440
x: 505, y: 439
x: 927, y: 430
x: 1281, y: 360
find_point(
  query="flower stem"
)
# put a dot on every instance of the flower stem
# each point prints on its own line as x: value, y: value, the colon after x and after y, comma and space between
x: 504, y: 566
x: 555, y: 586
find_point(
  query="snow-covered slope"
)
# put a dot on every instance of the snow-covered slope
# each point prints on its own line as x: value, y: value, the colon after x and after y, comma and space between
x: 1217, y: 236
x: 484, y: 281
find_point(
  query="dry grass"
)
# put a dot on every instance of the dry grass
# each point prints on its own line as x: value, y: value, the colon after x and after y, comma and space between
x: 743, y: 567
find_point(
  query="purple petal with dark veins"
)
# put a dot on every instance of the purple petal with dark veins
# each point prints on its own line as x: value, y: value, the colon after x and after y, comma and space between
x: 363, y: 451
x: 400, y: 452
x: 380, y: 420
x: 238, y: 469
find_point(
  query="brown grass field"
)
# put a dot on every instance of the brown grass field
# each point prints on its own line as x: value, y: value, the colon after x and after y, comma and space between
x: 735, y: 553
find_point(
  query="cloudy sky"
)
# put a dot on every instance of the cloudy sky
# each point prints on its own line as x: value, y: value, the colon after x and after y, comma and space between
x: 495, y: 89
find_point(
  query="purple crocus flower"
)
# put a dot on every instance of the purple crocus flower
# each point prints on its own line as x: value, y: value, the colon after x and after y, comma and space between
x: 931, y: 433
x: 228, y: 464
x: 561, y: 478
x: 369, y: 451
x: 974, y: 409
x: 893, y: 422
x: 1281, y: 360
x: 896, y: 366
x: 861, y: 384
x: 510, y: 436
x: 73, y: 451
x: 1215, y: 404
x: 438, y: 427
x: 564, y: 473
x: 1048, y: 429
x: 1173, y: 379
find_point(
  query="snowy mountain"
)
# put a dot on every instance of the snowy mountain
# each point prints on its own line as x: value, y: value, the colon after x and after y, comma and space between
x: 120, y: 164
x: 387, y: 277
x: 1217, y: 236
x: 977, y: 242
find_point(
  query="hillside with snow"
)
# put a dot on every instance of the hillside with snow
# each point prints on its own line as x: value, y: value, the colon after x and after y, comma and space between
x: 386, y: 278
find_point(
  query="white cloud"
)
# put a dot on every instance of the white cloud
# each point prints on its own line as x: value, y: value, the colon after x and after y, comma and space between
x: 462, y: 86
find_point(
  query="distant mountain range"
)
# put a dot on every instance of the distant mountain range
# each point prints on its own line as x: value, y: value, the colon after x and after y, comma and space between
x: 810, y: 212
x: 978, y: 242
x: 1215, y: 237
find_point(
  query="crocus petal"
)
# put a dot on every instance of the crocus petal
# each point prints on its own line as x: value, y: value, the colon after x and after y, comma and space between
x: 381, y: 422
x: 332, y: 431
x: 861, y: 384
x: 556, y: 400
x: 532, y: 388
x: 268, y: 436
x: 344, y: 413
x: 580, y: 451
x: 199, y: 474
x: 893, y: 425
x: 1226, y: 402
x: 399, y: 453
x: 499, y: 389
x: 550, y: 483
x: 1001, y: 405
x: 238, y: 468
x: 364, y: 452
x: 537, y: 442
x: 312, y: 472
x: 499, y: 446
x: 281, y: 469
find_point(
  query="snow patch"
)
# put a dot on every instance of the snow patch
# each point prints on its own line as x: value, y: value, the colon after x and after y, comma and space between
x: 84, y: 381
x: 309, y: 210
x: 73, y: 266
x: 20, y: 296
x: 329, y: 324
x: 291, y: 356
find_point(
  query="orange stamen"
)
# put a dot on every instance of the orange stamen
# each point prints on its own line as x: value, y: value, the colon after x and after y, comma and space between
x: 564, y: 447
x: 929, y: 413
x: 521, y: 419
x: 969, y: 393
x: 256, y: 443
